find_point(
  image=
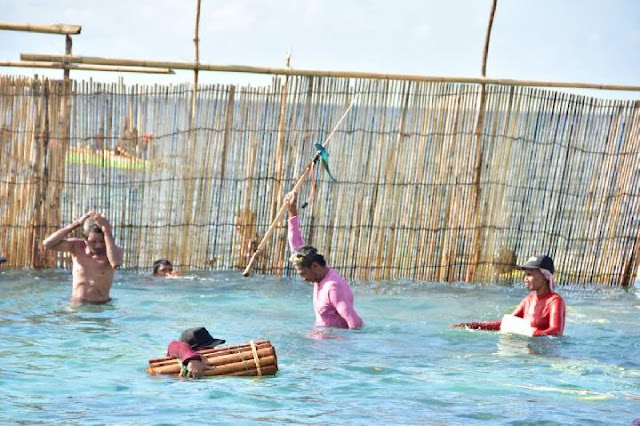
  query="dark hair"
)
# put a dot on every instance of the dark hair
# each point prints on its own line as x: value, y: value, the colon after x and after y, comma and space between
x: 158, y: 263
x: 90, y: 226
x: 305, y: 256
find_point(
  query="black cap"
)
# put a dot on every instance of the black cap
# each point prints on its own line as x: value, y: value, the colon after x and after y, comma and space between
x: 541, y: 261
x: 199, y: 336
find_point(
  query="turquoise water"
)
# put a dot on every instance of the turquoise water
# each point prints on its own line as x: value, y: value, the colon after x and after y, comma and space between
x: 86, y: 365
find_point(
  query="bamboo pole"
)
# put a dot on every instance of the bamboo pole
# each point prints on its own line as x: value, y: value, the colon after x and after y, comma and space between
x: 41, y: 28
x: 479, y: 218
x: 320, y: 73
x: 296, y: 187
x: 82, y: 67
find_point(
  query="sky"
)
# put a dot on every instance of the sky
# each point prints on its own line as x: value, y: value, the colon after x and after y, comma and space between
x: 593, y: 41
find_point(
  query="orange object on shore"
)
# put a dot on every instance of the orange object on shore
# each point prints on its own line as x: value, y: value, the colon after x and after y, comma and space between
x: 251, y: 359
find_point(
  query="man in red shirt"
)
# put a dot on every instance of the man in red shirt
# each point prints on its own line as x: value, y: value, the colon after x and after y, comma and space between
x: 543, y: 308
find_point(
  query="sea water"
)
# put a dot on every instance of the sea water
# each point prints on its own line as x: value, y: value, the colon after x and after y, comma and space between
x: 86, y: 364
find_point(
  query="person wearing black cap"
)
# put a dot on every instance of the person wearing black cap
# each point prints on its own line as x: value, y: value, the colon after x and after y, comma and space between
x: 192, y: 339
x: 543, y: 307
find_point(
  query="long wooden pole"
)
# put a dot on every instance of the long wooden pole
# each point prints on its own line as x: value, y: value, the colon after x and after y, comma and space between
x: 296, y: 187
x: 477, y: 172
x: 82, y: 67
x: 319, y: 73
x: 40, y: 28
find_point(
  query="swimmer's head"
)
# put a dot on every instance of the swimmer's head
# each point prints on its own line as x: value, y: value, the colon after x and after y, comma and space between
x: 162, y: 268
x: 94, y: 237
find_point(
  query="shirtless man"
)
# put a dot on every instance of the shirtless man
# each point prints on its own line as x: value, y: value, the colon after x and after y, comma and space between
x: 95, y: 258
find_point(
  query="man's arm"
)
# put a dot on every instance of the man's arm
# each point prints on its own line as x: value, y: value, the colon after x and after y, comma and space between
x: 294, y: 235
x: 343, y: 307
x: 190, y: 359
x: 479, y: 325
x: 58, y: 240
x: 114, y: 253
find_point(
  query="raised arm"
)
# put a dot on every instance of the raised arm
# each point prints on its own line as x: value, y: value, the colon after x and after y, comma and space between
x: 114, y: 253
x: 58, y: 240
x: 294, y: 235
x: 479, y: 325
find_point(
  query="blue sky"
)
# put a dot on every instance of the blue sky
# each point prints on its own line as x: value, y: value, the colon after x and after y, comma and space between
x: 557, y: 40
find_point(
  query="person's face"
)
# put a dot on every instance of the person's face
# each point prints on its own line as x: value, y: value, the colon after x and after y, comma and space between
x: 238, y: 222
x: 95, y: 242
x: 311, y: 274
x: 534, y: 280
x: 165, y: 271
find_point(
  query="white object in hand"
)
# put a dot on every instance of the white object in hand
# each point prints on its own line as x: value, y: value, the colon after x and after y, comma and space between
x: 516, y: 325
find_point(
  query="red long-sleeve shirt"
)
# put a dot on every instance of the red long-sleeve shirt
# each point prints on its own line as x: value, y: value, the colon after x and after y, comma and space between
x: 545, y: 313
x: 182, y: 351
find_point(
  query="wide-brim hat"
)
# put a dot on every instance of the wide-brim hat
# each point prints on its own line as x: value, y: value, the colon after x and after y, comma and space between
x: 199, y: 336
x: 539, y: 262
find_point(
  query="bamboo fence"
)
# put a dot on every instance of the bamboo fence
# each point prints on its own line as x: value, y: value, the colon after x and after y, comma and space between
x: 559, y: 174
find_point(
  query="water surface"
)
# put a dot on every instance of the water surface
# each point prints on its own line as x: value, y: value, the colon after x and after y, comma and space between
x: 86, y: 365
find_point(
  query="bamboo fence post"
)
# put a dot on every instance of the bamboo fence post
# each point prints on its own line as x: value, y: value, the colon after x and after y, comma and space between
x: 477, y: 174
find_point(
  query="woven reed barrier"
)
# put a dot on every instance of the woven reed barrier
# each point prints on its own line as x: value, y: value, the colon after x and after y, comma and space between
x: 559, y: 174
x: 251, y: 359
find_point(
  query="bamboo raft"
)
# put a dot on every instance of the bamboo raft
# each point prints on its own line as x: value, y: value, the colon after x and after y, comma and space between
x: 251, y: 359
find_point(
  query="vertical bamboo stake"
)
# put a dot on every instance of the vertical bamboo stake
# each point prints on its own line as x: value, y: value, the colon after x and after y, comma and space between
x: 477, y: 174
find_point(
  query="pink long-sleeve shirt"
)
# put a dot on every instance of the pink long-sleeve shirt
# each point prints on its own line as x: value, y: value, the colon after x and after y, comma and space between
x: 332, y: 296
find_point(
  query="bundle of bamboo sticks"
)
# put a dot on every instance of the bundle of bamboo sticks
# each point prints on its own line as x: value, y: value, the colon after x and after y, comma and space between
x: 251, y: 359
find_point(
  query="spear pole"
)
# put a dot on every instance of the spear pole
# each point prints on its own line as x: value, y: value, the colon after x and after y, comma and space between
x: 296, y: 187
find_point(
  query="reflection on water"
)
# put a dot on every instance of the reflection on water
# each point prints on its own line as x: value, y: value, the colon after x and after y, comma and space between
x: 513, y: 345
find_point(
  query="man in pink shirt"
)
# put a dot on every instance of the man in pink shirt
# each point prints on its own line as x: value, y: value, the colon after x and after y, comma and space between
x: 332, y: 296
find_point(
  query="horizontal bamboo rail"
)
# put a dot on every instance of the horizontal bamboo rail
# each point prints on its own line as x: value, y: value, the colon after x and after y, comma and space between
x: 320, y: 73
x: 40, y: 28
x: 84, y: 67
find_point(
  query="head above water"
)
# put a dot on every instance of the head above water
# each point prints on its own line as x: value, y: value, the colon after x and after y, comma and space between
x: 90, y: 226
x: 305, y: 256
x: 162, y: 267
x: 94, y: 237
x: 539, y: 262
x: 538, y: 274
x: 309, y: 264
